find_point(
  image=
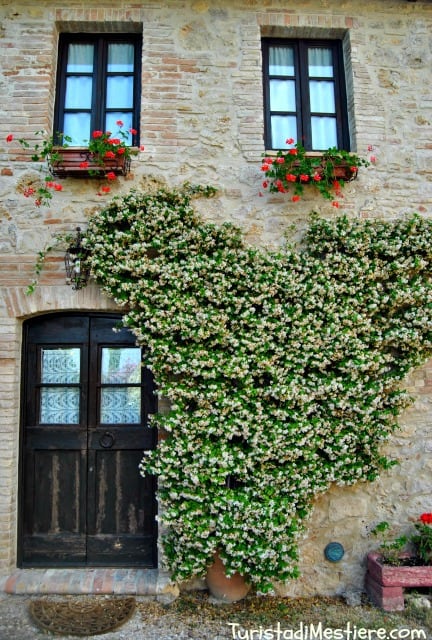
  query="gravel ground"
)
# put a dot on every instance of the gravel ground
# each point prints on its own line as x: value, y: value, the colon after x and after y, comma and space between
x: 196, y: 616
x: 150, y: 621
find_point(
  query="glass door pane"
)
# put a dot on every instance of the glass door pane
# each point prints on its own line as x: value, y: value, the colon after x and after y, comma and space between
x: 60, y: 404
x: 120, y: 400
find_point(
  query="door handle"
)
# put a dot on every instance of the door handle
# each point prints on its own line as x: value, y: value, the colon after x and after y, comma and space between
x: 107, y: 440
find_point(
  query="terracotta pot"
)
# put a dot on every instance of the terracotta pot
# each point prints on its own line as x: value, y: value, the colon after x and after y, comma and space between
x: 223, y: 588
x: 72, y: 157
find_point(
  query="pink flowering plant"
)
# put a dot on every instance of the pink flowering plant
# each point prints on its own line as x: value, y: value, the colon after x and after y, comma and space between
x: 293, y: 168
x: 106, y: 146
x: 103, y: 147
x: 41, y: 151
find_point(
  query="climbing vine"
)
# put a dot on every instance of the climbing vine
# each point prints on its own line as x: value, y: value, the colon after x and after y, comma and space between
x: 283, y: 369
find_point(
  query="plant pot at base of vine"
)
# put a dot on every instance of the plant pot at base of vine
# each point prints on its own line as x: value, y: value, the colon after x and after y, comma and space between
x: 223, y: 588
x: 79, y: 162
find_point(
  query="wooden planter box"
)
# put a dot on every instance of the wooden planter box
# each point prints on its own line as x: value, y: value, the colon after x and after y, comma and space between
x: 385, y: 583
x: 70, y: 164
x: 344, y: 172
x: 341, y: 171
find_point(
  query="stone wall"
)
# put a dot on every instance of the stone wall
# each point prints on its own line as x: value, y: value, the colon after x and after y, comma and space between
x: 202, y: 121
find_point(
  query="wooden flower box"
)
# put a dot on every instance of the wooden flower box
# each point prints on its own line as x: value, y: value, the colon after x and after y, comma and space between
x: 78, y: 162
x: 385, y: 583
x: 340, y: 171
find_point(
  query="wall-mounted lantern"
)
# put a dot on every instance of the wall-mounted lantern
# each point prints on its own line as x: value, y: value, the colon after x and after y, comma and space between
x: 77, y: 272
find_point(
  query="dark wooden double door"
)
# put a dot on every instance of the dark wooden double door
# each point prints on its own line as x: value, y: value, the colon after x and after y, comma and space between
x: 86, y: 401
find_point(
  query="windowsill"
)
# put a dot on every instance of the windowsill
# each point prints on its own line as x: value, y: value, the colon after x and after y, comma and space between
x: 308, y: 154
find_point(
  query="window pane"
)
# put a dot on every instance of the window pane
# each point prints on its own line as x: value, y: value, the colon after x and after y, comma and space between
x: 77, y: 126
x: 283, y: 127
x: 281, y: 61
x: 80, y: 58
x: 121, y: 365
x: 121, y: 405
x: 60, y: 366
x: 119, y: 92
x: 324, y: 133
x: 120, y: 57
x: 78, y: 92
x: 320, y: 62
x: 111, y: 120
x: 322, y: 98
x: 282, y: 95
x: 59, y: 405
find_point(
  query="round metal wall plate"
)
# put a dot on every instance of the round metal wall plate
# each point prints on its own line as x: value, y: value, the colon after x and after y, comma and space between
x: 334, y: 552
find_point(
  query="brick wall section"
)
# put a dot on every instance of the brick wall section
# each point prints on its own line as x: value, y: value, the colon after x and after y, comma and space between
x: 202, y: 121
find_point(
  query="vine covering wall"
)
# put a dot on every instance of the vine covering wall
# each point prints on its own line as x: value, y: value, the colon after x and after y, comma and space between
x: 283, y: 368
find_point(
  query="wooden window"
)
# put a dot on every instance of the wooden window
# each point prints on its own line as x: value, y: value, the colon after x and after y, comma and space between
x: 98, y: 83
x: 304, y: 94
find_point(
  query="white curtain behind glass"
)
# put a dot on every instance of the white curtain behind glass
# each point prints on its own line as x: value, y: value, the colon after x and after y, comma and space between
x: 120, y: 88
x: 322, y: 98
x: 78, y: 93
x: 282, y: 96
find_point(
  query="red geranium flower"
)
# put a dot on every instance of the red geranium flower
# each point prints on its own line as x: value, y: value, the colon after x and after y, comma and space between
x: 426, y: 518
x: 9, y: 137
x: 111, y: 175
x: 83, y: 165
x: 133, y: 131
x: 119, y: 123
x: 110, y: 155
x: 97, y: 134
x: 291, y: 177
x: 304, y: 177
x: 295, y: 198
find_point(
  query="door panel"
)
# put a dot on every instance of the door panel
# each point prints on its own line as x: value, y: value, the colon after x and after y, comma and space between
x: 86, y: 402
x: 126, y: 502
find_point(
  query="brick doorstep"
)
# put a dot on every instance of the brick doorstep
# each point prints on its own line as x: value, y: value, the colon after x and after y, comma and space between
x: 148, y: 582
